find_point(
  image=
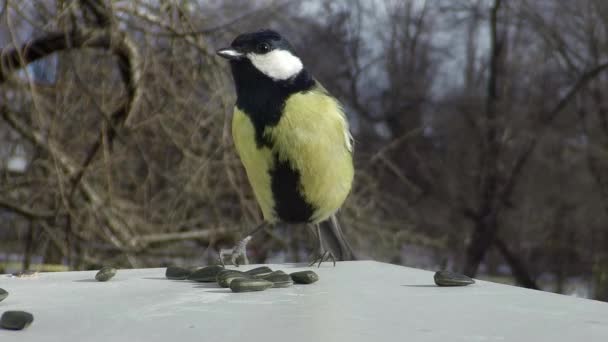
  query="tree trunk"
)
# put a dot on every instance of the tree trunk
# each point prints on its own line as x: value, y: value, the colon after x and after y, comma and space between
x: 600, y: 279
x: 518, y: 268
x: 482, y: 239
x: 486, y: 218
x: 29, y: 246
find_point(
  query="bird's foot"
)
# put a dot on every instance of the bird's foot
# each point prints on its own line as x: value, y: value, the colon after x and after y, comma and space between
x: 238, y: 251
x: 323, y: 256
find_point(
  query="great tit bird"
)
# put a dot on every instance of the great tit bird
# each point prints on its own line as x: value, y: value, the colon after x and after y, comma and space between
x: 293, y: 139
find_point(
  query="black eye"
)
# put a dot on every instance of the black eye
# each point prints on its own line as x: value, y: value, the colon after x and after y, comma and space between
x: 262, y: 48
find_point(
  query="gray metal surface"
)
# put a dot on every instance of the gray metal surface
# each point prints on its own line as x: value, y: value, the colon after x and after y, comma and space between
x: 355, y: 301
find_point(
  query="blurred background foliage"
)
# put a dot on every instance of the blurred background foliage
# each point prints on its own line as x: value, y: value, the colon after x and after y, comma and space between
x: 481, y: 131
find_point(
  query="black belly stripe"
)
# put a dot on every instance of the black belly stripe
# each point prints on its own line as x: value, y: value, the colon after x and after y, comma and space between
x: 290, y: 205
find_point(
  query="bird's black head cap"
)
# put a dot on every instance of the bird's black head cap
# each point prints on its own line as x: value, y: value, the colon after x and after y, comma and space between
x: 261, y: 42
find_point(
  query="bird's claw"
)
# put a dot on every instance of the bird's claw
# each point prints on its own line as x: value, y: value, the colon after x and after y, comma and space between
x: 223, y: 253
x: 240, y: 250
x: 321, y: 257
x: 235, y: 256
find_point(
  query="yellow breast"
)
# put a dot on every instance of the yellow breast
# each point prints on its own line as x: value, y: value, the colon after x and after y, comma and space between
x: 257, y: 161
x: 313, y: 136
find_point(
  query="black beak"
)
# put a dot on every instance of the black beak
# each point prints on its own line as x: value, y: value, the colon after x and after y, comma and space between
x: 229, y: 53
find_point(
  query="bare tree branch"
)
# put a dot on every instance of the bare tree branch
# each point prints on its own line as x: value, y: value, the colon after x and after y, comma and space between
x: 97, y: 201
x: 486, y: 218
x: 205, y: 234
x: 25, y: 211
x: 543, y: 123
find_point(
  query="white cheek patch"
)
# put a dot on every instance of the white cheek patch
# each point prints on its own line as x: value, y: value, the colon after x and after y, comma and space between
x: 277, y: 64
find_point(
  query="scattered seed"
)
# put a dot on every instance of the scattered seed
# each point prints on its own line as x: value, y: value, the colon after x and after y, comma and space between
x: 447, y: 278
x: 225, y: 277
x: 259, y: 271
x: 249, y: 285
x: 304, y: 277
x: 3, y: 294
x: 16, y: 320
x: 279, y: 279
x: 205, y: 274
x: 105, y: 273
x: 268, y: 274
x: 177, y: 273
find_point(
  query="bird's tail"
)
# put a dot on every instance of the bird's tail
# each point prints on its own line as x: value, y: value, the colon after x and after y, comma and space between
x: 332, y: 239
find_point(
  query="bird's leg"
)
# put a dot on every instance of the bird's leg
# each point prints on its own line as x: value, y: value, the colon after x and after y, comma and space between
x: 240, y: 249
x: 322, y: 254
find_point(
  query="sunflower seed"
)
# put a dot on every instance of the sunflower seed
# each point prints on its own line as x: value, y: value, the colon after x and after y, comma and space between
x: 206, y: 274
x: 16, y: 320
x: 259, y: 271
x: 304, y: 277
x: 3, y: 294
x: 249, y: 285
x: 279, y: 279
x: 225, y: 277
x: 447, y: 278
x: 177, y: 273
x: 105, y: 273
